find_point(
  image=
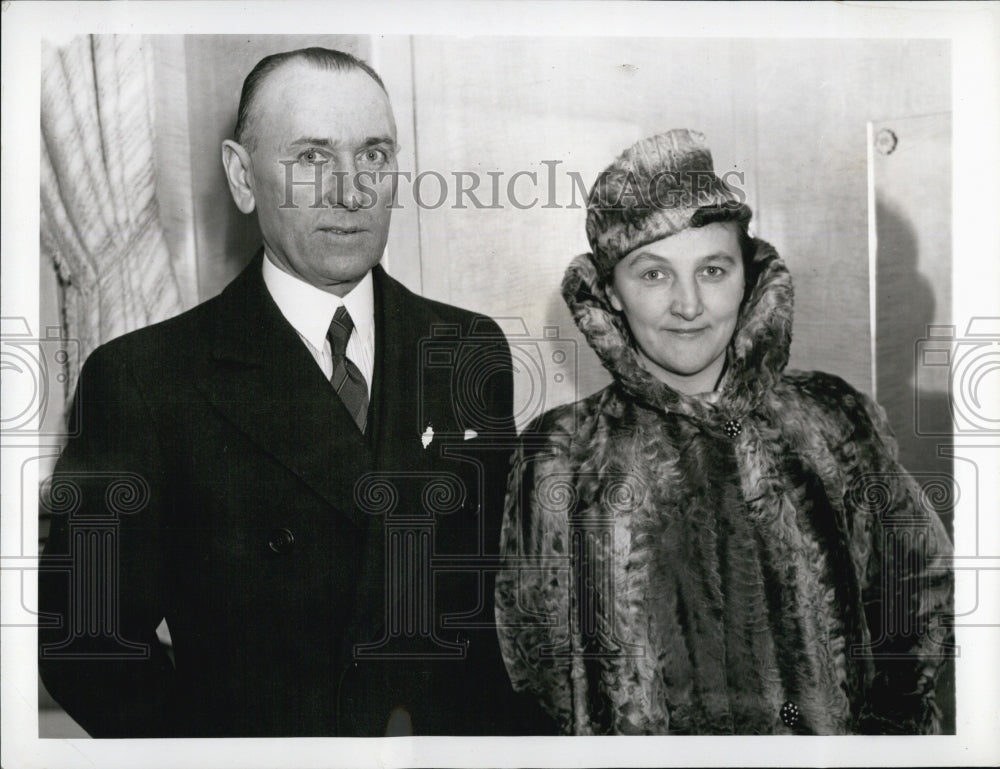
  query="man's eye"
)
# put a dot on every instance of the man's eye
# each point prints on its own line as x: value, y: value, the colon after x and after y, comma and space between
x: 311, y: 156
x: 373, y: 158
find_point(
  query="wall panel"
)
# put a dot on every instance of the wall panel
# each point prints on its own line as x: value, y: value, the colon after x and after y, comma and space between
x: 814, y: 99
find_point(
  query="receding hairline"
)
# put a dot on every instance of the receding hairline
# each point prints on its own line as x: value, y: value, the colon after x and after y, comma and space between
x: 319, y: 59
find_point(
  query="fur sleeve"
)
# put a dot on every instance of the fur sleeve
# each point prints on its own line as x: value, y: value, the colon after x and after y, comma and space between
x: 533, y: 584
x: 901, y: 551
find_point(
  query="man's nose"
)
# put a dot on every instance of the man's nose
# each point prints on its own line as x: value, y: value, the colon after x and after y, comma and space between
x: 343, y: 191
x: 686, y: 301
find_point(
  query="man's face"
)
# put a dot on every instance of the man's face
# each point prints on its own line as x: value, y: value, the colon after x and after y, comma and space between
x: 335, y: 131
x: 681, y: 296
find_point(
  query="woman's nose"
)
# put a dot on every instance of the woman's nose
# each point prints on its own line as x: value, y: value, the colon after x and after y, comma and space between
x: 686, y: 301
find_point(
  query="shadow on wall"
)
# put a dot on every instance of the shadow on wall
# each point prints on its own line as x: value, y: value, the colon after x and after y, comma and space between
x: 905, y: 307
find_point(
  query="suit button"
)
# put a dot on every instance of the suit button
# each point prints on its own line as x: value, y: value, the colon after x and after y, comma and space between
x: 281, y: 541
x: 790, y: 715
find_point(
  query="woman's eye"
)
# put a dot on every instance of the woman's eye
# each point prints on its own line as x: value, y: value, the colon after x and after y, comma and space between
x: 652, y: 275
x: 714, y: 272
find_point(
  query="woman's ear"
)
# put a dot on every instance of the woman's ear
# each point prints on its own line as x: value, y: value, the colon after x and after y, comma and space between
x: 239, y: 175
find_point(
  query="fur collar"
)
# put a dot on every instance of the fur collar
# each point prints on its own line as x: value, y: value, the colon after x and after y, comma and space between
x: 756, y: 357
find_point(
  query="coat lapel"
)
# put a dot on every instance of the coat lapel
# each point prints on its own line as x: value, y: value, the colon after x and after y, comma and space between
x: 402, y: 321
x: 264, y: 380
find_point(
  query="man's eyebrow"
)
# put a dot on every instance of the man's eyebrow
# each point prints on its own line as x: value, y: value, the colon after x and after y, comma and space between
x: 313, y: 141
x: 374, y: 141
x: 316, y: 141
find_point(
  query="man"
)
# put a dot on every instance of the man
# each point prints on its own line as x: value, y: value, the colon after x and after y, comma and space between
x: 302, y: 476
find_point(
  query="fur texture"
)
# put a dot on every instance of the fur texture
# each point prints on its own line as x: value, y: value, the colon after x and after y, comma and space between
x: 652, y: 190
x: 661, y: 576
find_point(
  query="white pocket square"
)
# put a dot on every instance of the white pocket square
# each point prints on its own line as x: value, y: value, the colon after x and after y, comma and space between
x: 470, y: 434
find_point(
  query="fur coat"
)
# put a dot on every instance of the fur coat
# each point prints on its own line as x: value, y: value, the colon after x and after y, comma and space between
x: 750, y: 561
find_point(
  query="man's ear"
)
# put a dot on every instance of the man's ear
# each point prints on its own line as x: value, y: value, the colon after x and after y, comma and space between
x: 616, y: 302
x: 236, y: 164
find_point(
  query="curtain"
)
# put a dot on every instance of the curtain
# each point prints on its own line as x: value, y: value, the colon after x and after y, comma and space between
x: 99, y: 221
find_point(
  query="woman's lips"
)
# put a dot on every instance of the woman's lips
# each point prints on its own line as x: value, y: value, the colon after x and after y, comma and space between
x: 687, y: 332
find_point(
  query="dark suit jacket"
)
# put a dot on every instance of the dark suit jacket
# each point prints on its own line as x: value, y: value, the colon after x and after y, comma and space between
x: 315, y: 581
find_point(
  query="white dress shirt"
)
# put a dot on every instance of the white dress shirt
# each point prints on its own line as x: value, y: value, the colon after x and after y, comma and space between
x: 310, y: 310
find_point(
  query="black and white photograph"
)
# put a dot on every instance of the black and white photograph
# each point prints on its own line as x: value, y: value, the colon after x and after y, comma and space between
x: 500, y: 384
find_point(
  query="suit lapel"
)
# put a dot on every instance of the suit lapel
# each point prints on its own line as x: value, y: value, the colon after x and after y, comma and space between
x: 264, y: 380
x: 402, y: 320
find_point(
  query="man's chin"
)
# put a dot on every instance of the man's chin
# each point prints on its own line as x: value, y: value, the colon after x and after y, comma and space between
x: 346, y: 270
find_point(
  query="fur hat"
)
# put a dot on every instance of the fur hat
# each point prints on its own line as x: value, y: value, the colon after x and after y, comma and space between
x: 657, y: 187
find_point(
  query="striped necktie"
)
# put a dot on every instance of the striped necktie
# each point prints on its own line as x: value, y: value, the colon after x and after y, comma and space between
x: 347, y: 378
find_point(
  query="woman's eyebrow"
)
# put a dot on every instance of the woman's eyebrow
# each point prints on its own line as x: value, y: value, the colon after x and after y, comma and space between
x: 646, y: 256
x: 719, y: 256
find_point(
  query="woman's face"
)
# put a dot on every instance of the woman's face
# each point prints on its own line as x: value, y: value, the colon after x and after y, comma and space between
x: 681, y: 296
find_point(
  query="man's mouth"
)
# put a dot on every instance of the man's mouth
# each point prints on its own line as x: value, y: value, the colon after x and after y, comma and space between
x: 342, y: 230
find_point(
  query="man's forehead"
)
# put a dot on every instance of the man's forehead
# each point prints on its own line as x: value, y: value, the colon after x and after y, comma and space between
x: 299, y: 97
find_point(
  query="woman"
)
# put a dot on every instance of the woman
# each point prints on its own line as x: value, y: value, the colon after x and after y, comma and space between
x: 710, y: 544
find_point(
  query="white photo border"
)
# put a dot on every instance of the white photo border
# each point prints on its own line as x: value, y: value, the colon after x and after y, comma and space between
x: 973, y: 29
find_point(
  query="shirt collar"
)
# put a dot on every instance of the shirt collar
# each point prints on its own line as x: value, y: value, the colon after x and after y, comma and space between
x: 310, y: 309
